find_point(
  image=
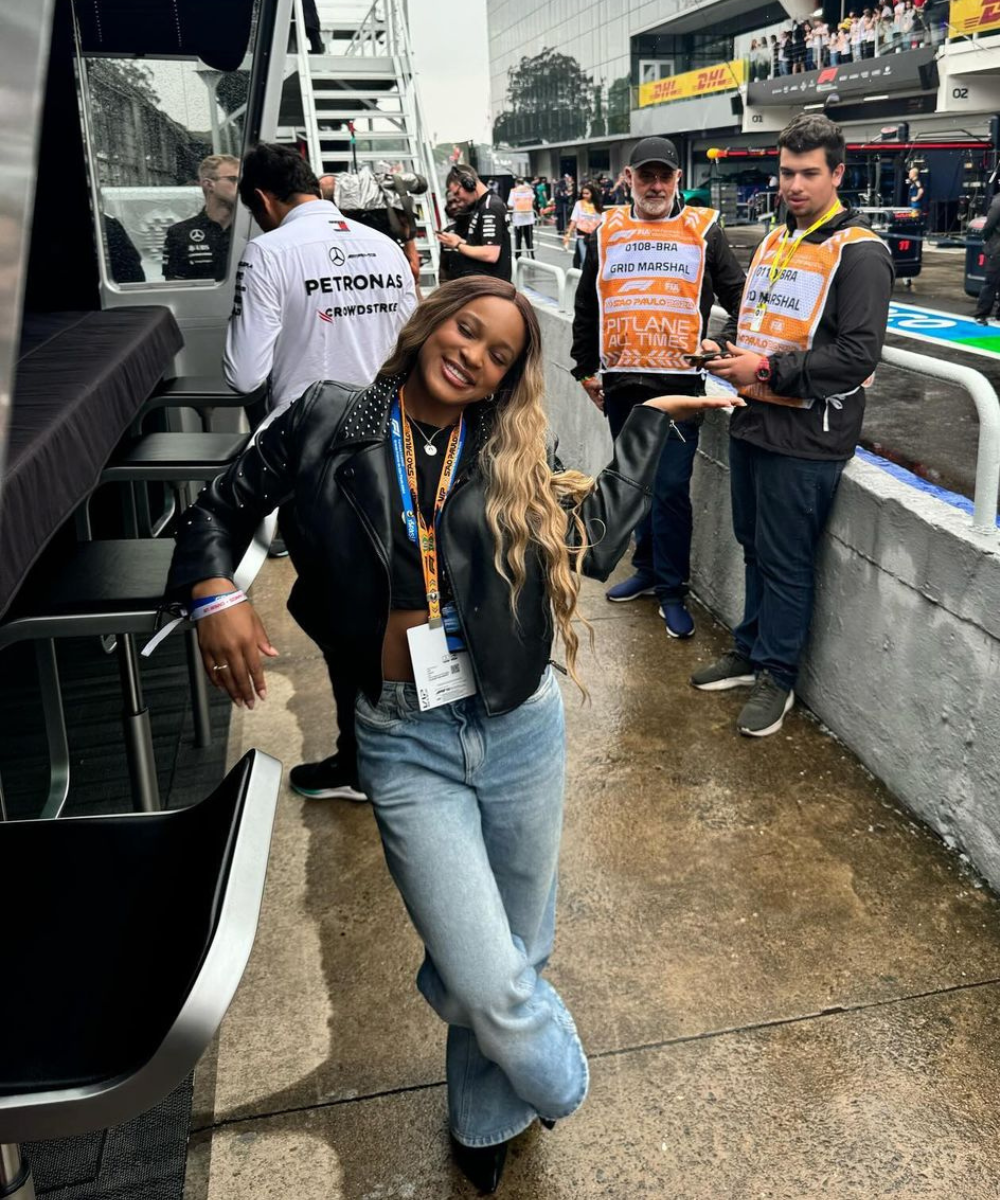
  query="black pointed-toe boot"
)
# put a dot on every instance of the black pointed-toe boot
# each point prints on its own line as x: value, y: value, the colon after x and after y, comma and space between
x: 481, y: 1165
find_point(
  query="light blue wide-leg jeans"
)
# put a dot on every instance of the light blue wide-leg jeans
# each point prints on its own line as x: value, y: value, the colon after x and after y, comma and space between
x: 470, y: 812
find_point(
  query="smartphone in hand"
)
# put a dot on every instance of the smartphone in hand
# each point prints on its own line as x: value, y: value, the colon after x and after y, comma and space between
x: 699, y: 360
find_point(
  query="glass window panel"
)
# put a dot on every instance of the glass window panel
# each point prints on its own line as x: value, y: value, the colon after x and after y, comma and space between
x: 165, y: 139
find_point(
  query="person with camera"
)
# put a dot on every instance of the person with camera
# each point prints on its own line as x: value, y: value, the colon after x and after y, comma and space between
x: 651, y: 273
x: 485, y: 248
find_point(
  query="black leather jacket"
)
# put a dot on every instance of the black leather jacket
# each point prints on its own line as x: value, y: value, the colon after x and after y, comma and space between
x: 326, y: 454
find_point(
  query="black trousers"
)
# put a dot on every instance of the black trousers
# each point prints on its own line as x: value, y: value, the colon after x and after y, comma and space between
x: 345, y: 692
x: 988, y: 292
x: 345, y: 687
x: 525, y: 234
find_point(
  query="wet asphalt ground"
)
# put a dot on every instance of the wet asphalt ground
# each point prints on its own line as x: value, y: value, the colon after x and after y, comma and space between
x: 927, y: 426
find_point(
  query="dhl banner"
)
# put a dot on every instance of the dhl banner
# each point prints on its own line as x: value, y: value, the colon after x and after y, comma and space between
x: 725, y: 77
x: 973, y: 16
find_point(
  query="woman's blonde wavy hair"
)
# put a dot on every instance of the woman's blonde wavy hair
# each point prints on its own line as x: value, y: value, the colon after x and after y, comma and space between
x: 526, y: 502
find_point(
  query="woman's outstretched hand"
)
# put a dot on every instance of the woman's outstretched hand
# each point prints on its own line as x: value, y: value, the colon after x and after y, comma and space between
x: 231, y: 644
x: 683, y: 408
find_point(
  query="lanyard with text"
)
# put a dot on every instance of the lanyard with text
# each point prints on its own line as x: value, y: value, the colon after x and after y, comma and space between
x: 782, y: 258
x: 417, y: 529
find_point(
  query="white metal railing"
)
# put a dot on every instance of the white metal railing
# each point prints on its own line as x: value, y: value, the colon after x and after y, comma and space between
x: 376, y: 33
x: 987, y: 405
x: 305, y: 89
x: 523, y: 264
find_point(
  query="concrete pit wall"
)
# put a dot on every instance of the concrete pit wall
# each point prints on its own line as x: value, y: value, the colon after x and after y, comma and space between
x: 903, y: 662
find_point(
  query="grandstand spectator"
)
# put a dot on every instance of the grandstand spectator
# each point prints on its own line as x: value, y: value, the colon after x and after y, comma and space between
x: 785, y: 52
x: 802, y: 355
x: 799, y: 47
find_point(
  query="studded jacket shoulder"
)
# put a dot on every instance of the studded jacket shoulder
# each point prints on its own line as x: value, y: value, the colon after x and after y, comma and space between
x: 324, y: 458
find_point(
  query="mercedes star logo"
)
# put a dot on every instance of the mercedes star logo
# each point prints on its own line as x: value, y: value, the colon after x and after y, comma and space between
x: 337, y: 256
x: 197, y: 235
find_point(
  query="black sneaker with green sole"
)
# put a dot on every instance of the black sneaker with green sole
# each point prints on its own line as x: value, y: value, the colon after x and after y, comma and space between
x: 326, y: 780
x: 765, y: 710
x: 730, y: 671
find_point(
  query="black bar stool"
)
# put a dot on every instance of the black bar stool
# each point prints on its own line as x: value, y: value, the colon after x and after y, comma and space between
x: 110, y: 588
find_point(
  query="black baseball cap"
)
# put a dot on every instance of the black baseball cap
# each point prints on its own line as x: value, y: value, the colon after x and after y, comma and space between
x: 654, y: 150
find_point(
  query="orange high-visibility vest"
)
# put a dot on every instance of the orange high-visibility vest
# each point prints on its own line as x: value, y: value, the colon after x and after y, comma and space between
x: 795, y: 301
x: 649, y: 286
x: 522, y: 199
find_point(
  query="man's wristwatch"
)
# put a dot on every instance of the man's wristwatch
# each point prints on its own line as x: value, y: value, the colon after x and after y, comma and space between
x: 763, y: 371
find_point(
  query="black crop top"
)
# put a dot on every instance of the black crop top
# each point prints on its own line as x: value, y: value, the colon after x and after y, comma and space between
x: 407, y: 572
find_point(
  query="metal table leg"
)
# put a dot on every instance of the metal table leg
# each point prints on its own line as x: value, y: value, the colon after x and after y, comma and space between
x: 15, y: 1174
x: 138, y: 734
x: 199, y: 691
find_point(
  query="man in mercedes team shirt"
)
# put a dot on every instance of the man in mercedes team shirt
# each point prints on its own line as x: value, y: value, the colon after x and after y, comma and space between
x: 198, y: 248
x: 485, y: 248
x: 318, y: 296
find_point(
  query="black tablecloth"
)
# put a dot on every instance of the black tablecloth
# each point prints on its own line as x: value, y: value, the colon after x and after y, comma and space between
x: 81, y: 379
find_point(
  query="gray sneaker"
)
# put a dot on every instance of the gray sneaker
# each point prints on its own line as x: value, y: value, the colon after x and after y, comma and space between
x: 765, y: 711
x: 730, y: 671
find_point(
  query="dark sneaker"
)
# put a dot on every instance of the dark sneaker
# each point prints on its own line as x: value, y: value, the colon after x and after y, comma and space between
x: 730, y: 671
x: 765, y: 711
x: 631, y: 589
x: 677, y: 620
x: 326, y: 780
x: 277, y: 548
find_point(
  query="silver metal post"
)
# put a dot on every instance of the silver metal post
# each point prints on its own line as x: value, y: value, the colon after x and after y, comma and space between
x: 15, y: 1174
x: 138, y: 735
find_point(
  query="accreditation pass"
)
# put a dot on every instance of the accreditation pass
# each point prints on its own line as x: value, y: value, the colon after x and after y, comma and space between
x: 441, y: 676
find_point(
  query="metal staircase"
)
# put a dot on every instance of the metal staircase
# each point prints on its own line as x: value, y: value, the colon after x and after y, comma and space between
x: 360, y: 105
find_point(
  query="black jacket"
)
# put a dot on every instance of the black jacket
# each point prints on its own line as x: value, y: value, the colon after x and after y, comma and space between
x: 724, y: 279
x: 845, y: 351
x: 197, y: 248
x: 991, y: 229
x: 326, y: 454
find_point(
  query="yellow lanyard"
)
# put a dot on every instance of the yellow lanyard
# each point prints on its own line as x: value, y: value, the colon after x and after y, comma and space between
x: 778, y: 264
x: 427, y: 534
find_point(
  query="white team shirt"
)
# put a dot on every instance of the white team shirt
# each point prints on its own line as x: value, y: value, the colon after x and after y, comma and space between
x: 320, y: 297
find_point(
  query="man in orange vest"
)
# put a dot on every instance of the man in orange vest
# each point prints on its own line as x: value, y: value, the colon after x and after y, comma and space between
x: 649, y: 278
x: 811, y: 326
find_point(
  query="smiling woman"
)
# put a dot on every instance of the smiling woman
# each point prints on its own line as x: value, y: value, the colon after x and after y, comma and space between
x: 437, y: 552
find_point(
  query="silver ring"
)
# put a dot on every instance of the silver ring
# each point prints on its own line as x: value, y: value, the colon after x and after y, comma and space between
x: 221, y: 667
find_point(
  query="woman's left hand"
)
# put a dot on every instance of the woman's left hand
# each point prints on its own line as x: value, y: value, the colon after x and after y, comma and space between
x: 683, y: 408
